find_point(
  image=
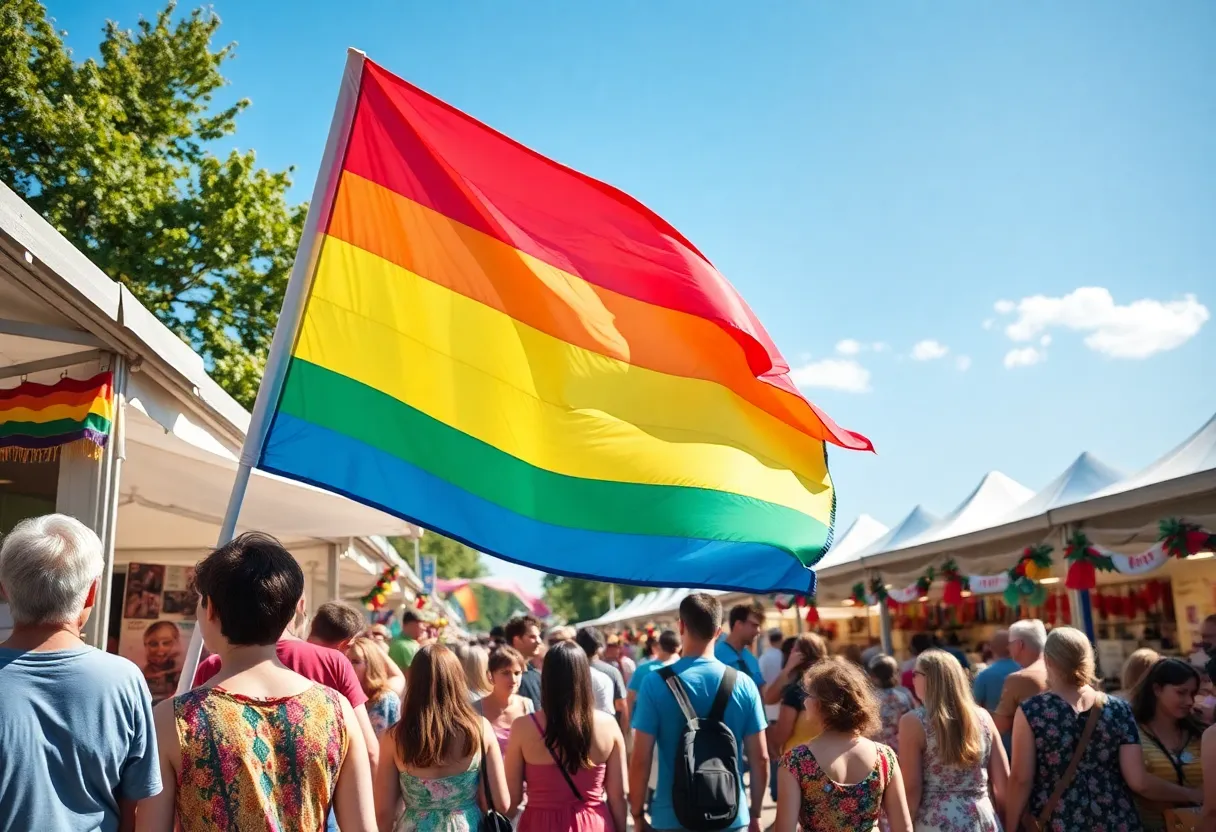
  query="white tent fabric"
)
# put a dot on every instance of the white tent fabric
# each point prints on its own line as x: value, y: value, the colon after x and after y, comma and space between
x: 915, y: 524
x: 847, y: 548
x: 995, y: 496
x: 1085, y: 477
x: 1197, y: 454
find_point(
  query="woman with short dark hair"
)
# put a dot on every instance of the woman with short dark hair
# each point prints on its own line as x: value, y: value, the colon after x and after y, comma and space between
x: 257, y: 746
x: 570, y: 757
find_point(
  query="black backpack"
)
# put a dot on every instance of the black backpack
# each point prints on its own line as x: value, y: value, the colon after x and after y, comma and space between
x: 705, y: 784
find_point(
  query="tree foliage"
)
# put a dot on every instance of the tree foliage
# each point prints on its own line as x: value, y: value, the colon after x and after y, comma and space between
x: 495, y: 607
x: 576, y: 599
x: 452, y: 559
x: 115, y: 153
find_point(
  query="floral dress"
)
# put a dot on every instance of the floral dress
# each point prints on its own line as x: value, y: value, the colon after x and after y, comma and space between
x: 892, y: 704
x: 1097, y: 800
x: 828, y: 806
x: 441, y: 804
x: 954, y: 798
x: 383, y: 710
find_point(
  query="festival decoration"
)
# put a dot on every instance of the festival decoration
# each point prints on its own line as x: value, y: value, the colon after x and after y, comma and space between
x: 879, y: 593
x: 376, y: 597
x: 1084, y: 562
x: 812, y: 611
x: 925, y: 582
x: 1181, y: 539
x: 858, y: 595
x: 956, y: 583
x: 533, y: 604
x: 532, y: 435
x: 38, y: 421
x: 1024, y: 587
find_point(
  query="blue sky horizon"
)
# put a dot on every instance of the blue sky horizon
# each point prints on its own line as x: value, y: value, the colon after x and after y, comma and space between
x: 980, y: 234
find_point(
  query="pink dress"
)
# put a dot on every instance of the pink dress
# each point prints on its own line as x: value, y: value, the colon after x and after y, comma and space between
x: 553, y: 806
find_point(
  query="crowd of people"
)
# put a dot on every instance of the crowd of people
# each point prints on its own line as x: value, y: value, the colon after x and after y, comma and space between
x: 351, y: 727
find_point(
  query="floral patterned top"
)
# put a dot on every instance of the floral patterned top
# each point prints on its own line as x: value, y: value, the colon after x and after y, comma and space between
x: 257, y: 764
x: 954, y: 798
x: 828, y: 806
x: 892, y: 704
x: 441, y: 804
x: 1097, y: 800
x: 383, y: 710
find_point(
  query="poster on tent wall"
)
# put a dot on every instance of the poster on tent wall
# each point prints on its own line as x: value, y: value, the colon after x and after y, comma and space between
x: 158, y: 611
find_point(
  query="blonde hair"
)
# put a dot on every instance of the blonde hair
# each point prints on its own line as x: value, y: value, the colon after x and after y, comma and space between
x: 375, y: 663
x: 475, y: 660
x: 1071, y: 655
x: 1137, y: 666
x: 950, y: 709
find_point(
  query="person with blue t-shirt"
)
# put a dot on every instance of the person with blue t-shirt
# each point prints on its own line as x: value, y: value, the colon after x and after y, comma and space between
x: 745, y: 623
x: 668, y: 653
x: 657, y: 721
x: 77, y: 744
x: 991, y: 680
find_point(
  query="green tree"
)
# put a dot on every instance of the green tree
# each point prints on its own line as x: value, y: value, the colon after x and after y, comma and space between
x: 115, y: 153
x: 452, y: 559
x: 495, y: 607
x: 576, y: 599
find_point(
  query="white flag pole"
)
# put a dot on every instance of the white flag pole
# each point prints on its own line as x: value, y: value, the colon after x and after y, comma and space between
x: 294, y: 300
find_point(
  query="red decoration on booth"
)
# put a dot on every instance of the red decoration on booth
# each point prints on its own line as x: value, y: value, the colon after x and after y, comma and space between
x: 812, y: 615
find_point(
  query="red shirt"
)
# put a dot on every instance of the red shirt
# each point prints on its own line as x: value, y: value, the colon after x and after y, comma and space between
x: 323, y: 665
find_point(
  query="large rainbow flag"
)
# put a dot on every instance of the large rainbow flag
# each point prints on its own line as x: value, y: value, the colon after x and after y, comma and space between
x: 520, y: 357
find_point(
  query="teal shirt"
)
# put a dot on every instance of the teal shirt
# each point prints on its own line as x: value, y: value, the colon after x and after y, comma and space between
x: 744, y: 661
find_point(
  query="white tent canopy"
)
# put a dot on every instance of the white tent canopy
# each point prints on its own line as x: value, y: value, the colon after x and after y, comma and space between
x: 996, y: 496
x: 863, y: 532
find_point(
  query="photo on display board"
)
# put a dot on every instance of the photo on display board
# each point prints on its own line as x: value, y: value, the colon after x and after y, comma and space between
x: 158, y: 620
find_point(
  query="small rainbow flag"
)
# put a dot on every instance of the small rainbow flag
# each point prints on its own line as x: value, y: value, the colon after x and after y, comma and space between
x: 467, y: 601
x: 525, y: 359
x: 37, y: 420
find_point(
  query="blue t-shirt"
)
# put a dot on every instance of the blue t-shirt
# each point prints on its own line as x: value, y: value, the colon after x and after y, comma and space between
x: 643, y: 670
x: 656, y: 713
x: 77, y: 736
x: 743, y: 662
x: 990, y: 681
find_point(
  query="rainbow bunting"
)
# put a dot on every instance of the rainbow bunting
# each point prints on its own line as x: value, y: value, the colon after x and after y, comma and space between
x: 525, y: 359
x: 38, y: 420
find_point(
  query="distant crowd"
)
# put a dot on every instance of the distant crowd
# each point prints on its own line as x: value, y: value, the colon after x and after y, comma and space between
x: 352, y: 727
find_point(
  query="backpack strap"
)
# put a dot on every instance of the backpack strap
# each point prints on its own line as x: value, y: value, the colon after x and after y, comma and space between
x: 677, y: 690
x: 726, y: 689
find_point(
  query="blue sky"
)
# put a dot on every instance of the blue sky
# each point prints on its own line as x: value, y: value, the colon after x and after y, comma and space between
x: 872, y: 176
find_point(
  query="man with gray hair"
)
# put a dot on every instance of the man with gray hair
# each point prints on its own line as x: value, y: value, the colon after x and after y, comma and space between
x: 1026, y: 640
x: 79, y: 749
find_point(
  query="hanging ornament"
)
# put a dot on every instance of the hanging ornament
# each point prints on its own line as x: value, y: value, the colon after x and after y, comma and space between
x: 858, y: 594
x: 956, y: 582
x: 925, y: 582
x: 1183, y: 539
x: 812, y: 615
x: 879, y: 594
x: 376, y: 597
x: 1084, y: 563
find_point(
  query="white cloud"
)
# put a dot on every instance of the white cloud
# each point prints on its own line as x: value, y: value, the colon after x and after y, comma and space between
x: 1004, y: 307
x: 1136, y: 330
x: 1024, y: 357
x: 833, y: 374
x: 963, y: 363
x: 928, y: 350
x: 1045, y: 341
x: 848, y: 346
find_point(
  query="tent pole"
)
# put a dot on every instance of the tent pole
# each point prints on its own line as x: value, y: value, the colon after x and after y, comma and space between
x: 108, y: 509
x: 294, y: 300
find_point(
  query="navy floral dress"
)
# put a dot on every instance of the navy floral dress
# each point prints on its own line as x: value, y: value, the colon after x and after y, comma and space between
x: 1097, y: 800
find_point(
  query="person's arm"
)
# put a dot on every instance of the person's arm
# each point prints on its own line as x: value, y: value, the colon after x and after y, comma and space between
x: 499, y: 792
x: 369, y: 743
x: 911, y: 758
x: 622, y: 718
x: 998, y: 764
x: 1021, y: 772
x: 774, y: 690
x: 895, y: 804
x: 783, y: 728
x: 396, y: 679
x: 159, y: 812
x: 614, y: 781
x: 354, y: 803
x: 1148, y: 786
x: 789, y: 801
x: 1207, y: 823
x: 513, y: 762
x: 387, y: 787
x: 757, y: 761
x: 639, y: 777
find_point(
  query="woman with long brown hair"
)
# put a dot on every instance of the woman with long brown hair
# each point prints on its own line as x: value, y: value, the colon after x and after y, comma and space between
x: 570, y: 757
x: 949, y: 750
x: 441, y: 758
x: 790, y: 729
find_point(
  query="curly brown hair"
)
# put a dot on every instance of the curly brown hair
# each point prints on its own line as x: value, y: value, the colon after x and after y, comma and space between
x: 843, y: 696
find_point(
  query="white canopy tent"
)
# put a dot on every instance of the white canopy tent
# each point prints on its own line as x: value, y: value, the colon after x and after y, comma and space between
x: 160, y: 491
